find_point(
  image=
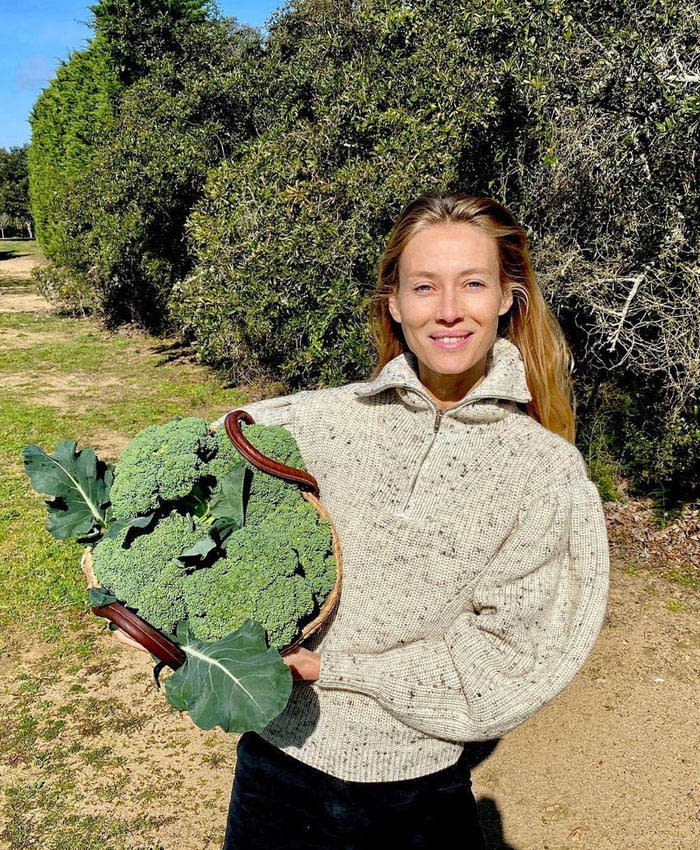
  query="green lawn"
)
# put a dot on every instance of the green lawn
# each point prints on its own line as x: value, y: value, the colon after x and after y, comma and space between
x: 17, y: 247
x: 92, y: 756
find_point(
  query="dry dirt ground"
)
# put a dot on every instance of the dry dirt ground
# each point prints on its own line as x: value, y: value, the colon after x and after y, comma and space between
x: 610, y: 764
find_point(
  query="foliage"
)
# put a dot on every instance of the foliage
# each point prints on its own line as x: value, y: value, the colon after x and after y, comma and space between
x: 72, y: 293
x: 70, y: 121
x: 78, y: 483
x: 137, y: 32
x: 657, y: 452
x: 123, y: 213
x: 232, y: 683
x: 14, y: 188
x: 371, y: 104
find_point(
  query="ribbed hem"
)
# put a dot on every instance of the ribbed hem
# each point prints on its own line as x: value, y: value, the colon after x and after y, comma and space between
x: 359, y: 760
x: 349, y: 736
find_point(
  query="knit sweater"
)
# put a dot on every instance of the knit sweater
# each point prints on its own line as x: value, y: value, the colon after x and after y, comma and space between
x: 475, y: 568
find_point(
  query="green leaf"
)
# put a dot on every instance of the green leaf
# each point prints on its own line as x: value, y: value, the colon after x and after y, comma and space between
x: 133, y: 522
x: 100, y: 596
x: 227, y: 499
x: 79, y: 484
x: 237, y: 683
x: 197, y: 502
x: 221, y: 530
x: 227, y: 506
x: 195, y: 553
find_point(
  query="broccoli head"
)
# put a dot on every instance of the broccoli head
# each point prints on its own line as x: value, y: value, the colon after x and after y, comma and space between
x: 162, y: 463
x: 277, y: 569
x: 262, y: 576
x: 267, y: 492
x: 144, y: 575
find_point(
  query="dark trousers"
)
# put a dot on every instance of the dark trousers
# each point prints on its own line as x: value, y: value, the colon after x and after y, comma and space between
x: 280, y: 803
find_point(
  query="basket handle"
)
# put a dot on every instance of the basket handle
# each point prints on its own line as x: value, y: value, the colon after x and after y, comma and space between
x: 132, y: 625
x: 266, y: 464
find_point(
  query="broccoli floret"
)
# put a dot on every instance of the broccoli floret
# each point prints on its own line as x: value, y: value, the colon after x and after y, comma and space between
x: 267, y: 491
x: 216, y: 601
x: 162, y: 463
x: 273, y: 572
x: 309, y: 534
x: 144, y: 576
x: 282, y: 607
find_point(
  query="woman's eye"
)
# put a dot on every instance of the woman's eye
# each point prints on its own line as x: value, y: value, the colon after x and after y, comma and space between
x: 469, y: 283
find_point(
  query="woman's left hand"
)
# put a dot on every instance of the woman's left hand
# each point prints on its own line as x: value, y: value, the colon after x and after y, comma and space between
x: 304, y: 664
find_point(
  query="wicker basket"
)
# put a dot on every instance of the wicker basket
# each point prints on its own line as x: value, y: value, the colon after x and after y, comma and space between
x: 167, y: 650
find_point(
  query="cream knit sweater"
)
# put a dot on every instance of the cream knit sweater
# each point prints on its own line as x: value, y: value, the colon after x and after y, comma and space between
x: 475, y: 569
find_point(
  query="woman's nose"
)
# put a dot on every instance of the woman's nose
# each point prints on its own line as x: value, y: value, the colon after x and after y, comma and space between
x: 449, y: 307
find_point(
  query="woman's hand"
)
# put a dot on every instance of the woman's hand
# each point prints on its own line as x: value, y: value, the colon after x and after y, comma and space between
x: 304, y: 664
x: 127, y: 641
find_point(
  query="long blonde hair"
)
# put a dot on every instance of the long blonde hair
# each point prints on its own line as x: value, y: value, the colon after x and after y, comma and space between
x: 530, y: 323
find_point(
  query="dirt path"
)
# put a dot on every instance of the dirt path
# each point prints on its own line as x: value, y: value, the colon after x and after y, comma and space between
x: 20, y: 266
x: 610, y: 764
x: 17, y: 293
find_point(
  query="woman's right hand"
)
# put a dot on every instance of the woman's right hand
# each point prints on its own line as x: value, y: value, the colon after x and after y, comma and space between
x: 127, y: 641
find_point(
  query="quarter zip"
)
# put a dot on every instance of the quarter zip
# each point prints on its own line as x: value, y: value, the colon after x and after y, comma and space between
x: 436, y: 427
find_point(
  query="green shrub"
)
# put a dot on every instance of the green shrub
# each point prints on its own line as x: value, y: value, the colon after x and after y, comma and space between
x: 68, y: 290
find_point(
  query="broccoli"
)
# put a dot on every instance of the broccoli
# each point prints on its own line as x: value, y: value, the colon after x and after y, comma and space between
x: 277, y: 568
x: 270, y: 573
x: 144, y: 575
x: 161, y: 464
x: 266, y: 491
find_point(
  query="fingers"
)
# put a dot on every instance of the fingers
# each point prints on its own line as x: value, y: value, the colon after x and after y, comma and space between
x: 127, y: 641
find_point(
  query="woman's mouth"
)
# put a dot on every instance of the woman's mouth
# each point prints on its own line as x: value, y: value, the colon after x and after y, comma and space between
x: 450, y: 342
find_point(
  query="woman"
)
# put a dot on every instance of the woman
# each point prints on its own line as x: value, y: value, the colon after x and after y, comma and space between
x: 475, y: 553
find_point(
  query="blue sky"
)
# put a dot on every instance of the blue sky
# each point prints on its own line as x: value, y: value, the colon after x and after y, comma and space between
x: 36, y: 34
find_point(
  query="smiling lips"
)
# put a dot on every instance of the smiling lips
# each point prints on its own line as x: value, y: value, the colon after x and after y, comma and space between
x: 451, y: 342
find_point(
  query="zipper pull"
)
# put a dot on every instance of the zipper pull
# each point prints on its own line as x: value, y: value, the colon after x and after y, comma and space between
x: 438, y: 419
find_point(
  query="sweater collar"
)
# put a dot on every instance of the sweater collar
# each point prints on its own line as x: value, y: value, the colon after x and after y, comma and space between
x: 504, y: 379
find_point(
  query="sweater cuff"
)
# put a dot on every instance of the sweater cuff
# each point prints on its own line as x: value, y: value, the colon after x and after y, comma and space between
x: 340, y: 669
x: 424, y: 666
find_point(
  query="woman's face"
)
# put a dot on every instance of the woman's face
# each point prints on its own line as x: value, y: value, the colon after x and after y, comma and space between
x: 449, y: 284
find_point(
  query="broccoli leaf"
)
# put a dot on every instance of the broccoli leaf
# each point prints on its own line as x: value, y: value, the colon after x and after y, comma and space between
x: 226, y: 506
x: 190, y: 557
x: 237, y: 683
x: 221, y: 530
x: 227, y: 499
x: 100, y: 597
x: 197, y: 501
x: 79, y: 484
x: 136, y: 521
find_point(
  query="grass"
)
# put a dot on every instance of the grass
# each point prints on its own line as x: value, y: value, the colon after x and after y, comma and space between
x: 71, y: 777
x: 10, y: 248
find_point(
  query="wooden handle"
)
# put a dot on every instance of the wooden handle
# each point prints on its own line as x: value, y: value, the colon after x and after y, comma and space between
x: 266, y: 464
x: 131, y: 624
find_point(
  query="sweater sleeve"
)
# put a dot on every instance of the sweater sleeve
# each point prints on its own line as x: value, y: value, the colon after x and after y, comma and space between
x: 267, y: 411
x: 532, y: 617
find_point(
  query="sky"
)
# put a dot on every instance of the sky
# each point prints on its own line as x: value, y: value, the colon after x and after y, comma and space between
x: 36, y: 34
